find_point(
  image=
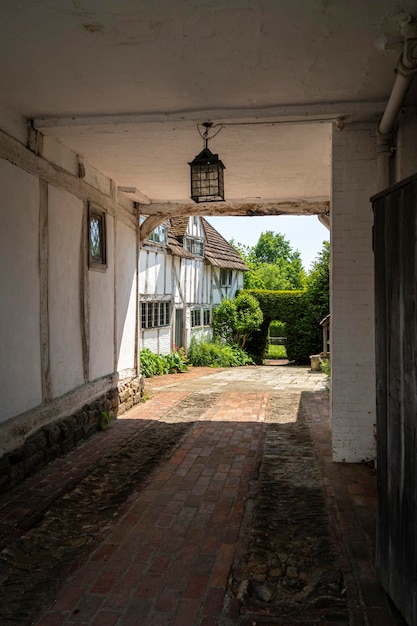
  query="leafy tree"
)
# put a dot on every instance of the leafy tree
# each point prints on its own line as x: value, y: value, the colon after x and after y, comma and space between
x: 272, y: 263
x: 235, y: 320
x: 271, y: 247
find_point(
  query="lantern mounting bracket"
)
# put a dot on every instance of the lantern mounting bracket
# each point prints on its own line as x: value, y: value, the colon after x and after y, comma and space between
x: 205, y: 135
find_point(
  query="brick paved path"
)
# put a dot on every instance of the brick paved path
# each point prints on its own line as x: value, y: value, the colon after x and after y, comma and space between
x: 168, y: 556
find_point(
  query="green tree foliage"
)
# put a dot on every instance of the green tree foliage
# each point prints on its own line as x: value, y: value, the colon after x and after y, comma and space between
x: 235, y: 320
x: 273, y: 264
x: 271, y: 247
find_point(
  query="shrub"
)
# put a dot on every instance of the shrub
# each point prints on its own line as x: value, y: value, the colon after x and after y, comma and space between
x: 152, y: 364
x: 235, y: 320
x: 214, y: 354
x: 325, y: 367
x: 224, y: 320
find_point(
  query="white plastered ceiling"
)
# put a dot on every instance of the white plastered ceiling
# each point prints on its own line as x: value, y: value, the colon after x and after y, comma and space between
x: 124, y: 84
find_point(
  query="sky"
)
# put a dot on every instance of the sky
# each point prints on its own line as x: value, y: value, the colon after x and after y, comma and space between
x: 305, y: 233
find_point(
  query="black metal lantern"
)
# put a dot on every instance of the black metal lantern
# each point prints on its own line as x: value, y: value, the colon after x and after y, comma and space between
x: 207, y: 182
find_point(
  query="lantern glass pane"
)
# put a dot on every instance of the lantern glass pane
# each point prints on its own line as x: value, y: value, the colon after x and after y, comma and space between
x: 207, y: 182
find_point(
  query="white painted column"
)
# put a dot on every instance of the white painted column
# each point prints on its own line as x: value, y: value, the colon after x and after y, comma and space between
x: 352, y: 288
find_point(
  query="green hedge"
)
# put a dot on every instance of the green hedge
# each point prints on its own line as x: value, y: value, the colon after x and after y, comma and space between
x: 304, y: 334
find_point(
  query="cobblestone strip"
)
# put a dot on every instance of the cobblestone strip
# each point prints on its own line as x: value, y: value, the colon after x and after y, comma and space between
x: 291, y: 573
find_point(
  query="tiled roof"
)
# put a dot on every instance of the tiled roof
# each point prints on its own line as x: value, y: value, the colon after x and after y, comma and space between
x: 219, y: 252
x: 176, y: 248
x: 178, y: 225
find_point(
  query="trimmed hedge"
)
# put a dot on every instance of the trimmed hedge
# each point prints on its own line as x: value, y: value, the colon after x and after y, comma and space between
x: 304, y: 334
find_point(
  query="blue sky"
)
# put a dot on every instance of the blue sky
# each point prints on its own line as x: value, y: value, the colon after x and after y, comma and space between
x: 305, y: 233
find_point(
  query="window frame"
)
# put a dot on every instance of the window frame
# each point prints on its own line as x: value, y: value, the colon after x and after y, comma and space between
x: 97, y: 262
x: 153, y: 312
x: 206, y: 317
x: 191, y: 243
x: 229, y: 272
x: 155, y: 236
x: 193, y: 313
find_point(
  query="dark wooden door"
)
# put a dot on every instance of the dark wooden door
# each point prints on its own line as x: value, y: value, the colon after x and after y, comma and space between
x: 395, y: 235
x: 179, y: 329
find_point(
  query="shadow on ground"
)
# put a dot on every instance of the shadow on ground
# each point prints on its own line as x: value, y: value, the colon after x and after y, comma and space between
x: 285, y: 566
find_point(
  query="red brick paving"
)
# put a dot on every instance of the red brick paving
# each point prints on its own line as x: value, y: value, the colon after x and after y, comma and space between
x: 168, y: 557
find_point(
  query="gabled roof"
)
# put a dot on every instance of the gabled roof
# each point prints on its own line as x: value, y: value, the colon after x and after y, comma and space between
x: 219, y: 252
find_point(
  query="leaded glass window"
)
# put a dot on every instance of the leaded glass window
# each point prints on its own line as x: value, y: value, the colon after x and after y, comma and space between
x: 97, y: 238
x: 155, y: 314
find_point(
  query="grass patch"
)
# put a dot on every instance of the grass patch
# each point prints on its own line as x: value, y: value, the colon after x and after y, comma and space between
x: 276, y: 352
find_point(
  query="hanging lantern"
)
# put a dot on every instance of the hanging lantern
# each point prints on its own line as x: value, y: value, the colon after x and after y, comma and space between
x: 207, y: 183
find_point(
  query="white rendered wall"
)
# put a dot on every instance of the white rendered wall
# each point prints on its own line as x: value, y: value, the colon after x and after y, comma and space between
x: 65, y: 215
x: 168, y: 274
x: 102, y: 312
x: 125, y: 296
x: 20, y: 363
x: 352, y: 288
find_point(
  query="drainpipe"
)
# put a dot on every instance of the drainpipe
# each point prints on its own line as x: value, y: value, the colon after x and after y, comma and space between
x: 406, y: 70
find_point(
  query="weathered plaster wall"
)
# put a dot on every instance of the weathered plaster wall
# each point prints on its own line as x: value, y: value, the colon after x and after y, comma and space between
x: 126, y: 261
x: 102, y: 312
x: 352, y: 302
x: 20, y: 365
x: 65, y: 216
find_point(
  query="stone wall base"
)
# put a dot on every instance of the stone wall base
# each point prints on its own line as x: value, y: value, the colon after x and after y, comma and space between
x: 130, y: 393
x: 60, y: 437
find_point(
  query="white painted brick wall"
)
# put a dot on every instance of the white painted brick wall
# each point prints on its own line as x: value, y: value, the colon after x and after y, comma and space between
x: 352, y: 307
x: 158, y: 340
x: 164, y: 340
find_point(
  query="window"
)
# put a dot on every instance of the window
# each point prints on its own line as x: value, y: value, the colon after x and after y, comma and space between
x: 195, y: 246
x: 206, y: 317
x: 159, y: 235
x: 195, y: 317
x: 97, y: 238
x: 226, y: 278
x: 164, y: 311
x: 155, y: 314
